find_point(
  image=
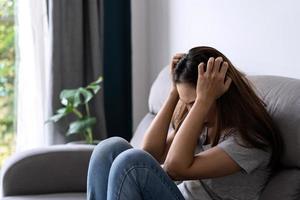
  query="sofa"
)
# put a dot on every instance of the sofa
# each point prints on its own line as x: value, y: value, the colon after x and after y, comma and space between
x: 59, y: 171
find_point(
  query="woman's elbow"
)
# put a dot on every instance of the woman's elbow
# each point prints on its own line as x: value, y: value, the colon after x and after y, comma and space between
x: 154, y: 154
x: 173, y: 171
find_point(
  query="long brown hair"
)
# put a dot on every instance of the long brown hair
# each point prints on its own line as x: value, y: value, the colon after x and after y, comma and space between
x: 239, y: 108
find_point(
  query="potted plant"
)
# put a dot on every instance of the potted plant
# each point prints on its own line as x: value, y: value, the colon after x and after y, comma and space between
x: 72, y: 101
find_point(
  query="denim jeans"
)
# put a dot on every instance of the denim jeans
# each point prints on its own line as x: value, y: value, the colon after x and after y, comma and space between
x: 119, y: 172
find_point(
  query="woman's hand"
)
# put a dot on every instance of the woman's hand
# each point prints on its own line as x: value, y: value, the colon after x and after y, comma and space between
x: 175, y: 60
x: 213, y: 82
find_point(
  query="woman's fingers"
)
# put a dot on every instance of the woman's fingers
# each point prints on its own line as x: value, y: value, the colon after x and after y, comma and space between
x: 201, y: 69
x: 178, y: 55
x: 217, y: 65
x: 214, y: 65
x: 227, y: 83
x: 227, y: 80
x: 214, y: 78
x: 175, y: 59
x: 224, y: 69
x: 210, y: 65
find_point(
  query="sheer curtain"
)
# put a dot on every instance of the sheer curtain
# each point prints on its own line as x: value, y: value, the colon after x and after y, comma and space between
x: 33, y: 74
x: 60, y: 45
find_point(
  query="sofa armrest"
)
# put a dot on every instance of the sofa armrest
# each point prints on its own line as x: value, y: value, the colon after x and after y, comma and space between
x: 53, y: 169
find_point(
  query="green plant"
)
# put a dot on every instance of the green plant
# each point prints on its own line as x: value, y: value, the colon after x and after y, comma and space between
x: 72, y: 100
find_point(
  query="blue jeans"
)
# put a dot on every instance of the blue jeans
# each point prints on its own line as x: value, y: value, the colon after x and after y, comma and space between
x: 119, y: 172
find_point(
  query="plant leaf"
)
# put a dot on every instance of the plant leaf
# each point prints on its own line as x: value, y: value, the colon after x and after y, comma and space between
x: 55, y: 117
x: 67, y: 96
x: 87, y: 95
x: 95, y: 88
x: 81, y: 126
x: 77, y: 100
x: 99, y: 80
x: 61, y: 110
x: 60, y: 113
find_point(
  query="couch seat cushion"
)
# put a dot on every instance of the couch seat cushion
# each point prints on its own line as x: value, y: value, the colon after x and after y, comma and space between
x: 56, y: 196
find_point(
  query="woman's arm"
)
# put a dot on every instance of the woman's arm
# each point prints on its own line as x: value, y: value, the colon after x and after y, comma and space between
x: 181, y: 162
x: 156, y: 140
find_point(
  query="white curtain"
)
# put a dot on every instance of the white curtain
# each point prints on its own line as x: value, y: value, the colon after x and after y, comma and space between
x: 33, y: 74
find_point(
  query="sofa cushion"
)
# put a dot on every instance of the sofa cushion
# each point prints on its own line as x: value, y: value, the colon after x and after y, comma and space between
x: 56, y: 196
x: 284, y: 185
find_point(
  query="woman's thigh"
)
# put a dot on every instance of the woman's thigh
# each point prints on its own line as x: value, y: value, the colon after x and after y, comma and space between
x: 135, y: 174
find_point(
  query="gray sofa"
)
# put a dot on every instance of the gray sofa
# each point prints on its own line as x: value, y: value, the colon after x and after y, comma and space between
x: 59, y: 172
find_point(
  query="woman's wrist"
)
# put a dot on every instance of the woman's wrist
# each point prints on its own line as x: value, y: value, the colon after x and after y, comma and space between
x: 207, y: 102
x: 174, y: 93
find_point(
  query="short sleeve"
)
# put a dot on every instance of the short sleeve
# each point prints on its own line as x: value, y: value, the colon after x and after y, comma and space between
x: 247, y: 158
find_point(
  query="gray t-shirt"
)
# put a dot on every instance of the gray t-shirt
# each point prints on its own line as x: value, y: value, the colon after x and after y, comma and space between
x: 246, y: 184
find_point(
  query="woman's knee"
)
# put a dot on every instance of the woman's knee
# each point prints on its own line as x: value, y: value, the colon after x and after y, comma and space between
x: 112, y: 145
x: 134, y: 157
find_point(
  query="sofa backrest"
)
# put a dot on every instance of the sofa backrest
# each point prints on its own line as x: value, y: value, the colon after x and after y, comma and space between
x: 282, y: 96
x: 159, y: 90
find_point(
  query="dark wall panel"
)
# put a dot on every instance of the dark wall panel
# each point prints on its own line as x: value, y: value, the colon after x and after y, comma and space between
x: 117, y: 68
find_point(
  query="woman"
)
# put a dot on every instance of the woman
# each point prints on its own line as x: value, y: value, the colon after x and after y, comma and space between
x: 224, y: 144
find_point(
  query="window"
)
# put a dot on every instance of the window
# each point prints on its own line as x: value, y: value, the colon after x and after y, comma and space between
x: 7, y: 76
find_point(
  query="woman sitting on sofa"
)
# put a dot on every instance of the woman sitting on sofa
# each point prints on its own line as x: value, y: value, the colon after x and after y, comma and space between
x: 224, y: 144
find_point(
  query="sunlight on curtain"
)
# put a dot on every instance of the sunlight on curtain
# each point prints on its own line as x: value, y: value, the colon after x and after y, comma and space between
x: 32, y: 75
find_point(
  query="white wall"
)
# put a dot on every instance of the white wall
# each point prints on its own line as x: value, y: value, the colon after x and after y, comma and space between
x: 150, y: 49
x: 258, y: 36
